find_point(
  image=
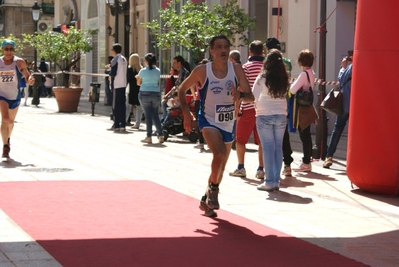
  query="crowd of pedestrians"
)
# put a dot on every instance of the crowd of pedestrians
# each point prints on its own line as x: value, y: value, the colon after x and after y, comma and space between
x: 233, y: 101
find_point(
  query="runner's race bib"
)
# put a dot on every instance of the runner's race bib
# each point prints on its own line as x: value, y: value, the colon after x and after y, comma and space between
x: 224, y: 113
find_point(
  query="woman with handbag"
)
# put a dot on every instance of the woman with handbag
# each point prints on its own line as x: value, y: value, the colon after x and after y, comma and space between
x: 344, y: 78
x: 304, y: 113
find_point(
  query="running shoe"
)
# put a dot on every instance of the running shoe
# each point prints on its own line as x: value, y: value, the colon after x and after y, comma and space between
x: 328, y: 162
x: 208, y: 211
x: 265, y: 187
x: 239, y: 173
x: 287, y: 171
x: 147, y: 140
x: 304, y: 168
x: 6, y: 151
x: 212, y: 197
x: 260, y: 174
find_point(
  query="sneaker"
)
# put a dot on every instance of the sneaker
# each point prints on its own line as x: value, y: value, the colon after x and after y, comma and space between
x: 212, y: 197
x: 161, y: 139
x: 328, y: 162
x: 147, y: 140
x: 287, y: 171
x: 135, y: 127
x: 265, y: 187
x: 239, y: 173
x: 208, y: 211
x: 304, y: 168
x: 6, y: 151
x: 119, y: 130
x: 260, y: 174
x: 199, y: 146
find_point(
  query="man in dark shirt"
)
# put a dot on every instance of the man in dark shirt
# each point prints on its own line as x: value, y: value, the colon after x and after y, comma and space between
x: 178, y: 62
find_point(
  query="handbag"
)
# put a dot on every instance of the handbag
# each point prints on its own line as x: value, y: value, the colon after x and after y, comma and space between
x: 333, y: 102
x: 305, y: 97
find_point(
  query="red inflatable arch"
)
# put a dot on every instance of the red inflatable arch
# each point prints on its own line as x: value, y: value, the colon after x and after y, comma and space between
x: 373, y: 137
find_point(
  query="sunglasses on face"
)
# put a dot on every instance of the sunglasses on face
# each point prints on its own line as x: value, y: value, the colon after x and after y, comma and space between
x: 8, y: 49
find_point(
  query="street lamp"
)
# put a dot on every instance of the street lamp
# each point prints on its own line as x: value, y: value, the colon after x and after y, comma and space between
x: 36, y: 10
x: 116, y: 7
x: 127, y: 28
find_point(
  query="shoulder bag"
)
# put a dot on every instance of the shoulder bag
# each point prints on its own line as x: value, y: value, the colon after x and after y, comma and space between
x: 333, y: 102
x: 305, y: 97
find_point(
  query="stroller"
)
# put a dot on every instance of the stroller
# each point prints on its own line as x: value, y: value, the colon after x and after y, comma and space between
x: 175, y: 123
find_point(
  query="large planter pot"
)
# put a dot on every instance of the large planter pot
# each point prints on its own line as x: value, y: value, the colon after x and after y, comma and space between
x: 67, y: 98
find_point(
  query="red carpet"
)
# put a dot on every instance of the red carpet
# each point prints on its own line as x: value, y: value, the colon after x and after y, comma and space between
x: 140, y: 223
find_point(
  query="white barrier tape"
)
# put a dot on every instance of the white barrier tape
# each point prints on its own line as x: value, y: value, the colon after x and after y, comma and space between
x: 164, y: 76
x: 71, y: 73
x: 320, y: 81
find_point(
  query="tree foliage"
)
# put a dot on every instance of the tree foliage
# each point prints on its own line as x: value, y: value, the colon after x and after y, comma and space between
x: 64, y: 49
x: 196, y: 24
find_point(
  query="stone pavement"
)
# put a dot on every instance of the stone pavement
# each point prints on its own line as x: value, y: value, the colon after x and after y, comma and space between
x: 320, y: 207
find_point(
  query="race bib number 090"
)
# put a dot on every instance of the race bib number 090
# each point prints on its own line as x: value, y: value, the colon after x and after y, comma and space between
x: 224, y: 113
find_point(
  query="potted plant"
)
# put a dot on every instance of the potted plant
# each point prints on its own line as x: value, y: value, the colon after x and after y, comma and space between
x: 64, y: 49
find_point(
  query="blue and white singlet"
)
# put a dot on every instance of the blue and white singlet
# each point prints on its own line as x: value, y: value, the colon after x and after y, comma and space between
x: 9, y: 79
x: 216, y: 102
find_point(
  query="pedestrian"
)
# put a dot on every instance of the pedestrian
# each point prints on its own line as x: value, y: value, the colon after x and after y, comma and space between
x: 108, y: 91
x: 134, y: 89
x: 304, y: 116
x: 43, y: 67
x: 118, y: 83
x: 201, y: 142
x: 178, y: 64
x: 49, y: 83
x: 150, y: 96
x: 235, y: 56
x: 246, y: 119
x: 269, y: 89
x: 169, y: 84
x: 344, y: 78
x: 218, y: 81
x: 273, y: 43
x: 11, y: 68
x: 23, y: 89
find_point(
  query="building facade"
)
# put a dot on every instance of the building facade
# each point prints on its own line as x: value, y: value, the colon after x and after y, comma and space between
x: 296, y: 23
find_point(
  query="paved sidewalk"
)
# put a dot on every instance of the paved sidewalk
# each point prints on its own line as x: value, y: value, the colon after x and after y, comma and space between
x: 320, y: 207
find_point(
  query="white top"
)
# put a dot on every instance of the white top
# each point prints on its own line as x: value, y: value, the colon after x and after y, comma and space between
x: 265, y: 105
x: 217, y: 105
x: 302, y: 81
x: 9, y: 79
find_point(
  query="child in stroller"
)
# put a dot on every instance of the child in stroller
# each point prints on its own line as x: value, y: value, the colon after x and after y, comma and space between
x: 174, y: 121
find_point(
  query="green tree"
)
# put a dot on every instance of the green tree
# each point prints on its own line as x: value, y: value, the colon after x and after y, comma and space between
x: 64, y: 49
x: 196, y: 24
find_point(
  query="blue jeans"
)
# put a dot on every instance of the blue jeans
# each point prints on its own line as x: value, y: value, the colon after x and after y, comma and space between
x: 271, y: 130
x: 340, y: 123
x: 150, y: 102
x: 164, y: 109
x: 108, y: 91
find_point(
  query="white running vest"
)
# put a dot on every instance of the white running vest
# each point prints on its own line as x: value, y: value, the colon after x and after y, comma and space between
x: 217, y: 105
x: 9, y: 79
